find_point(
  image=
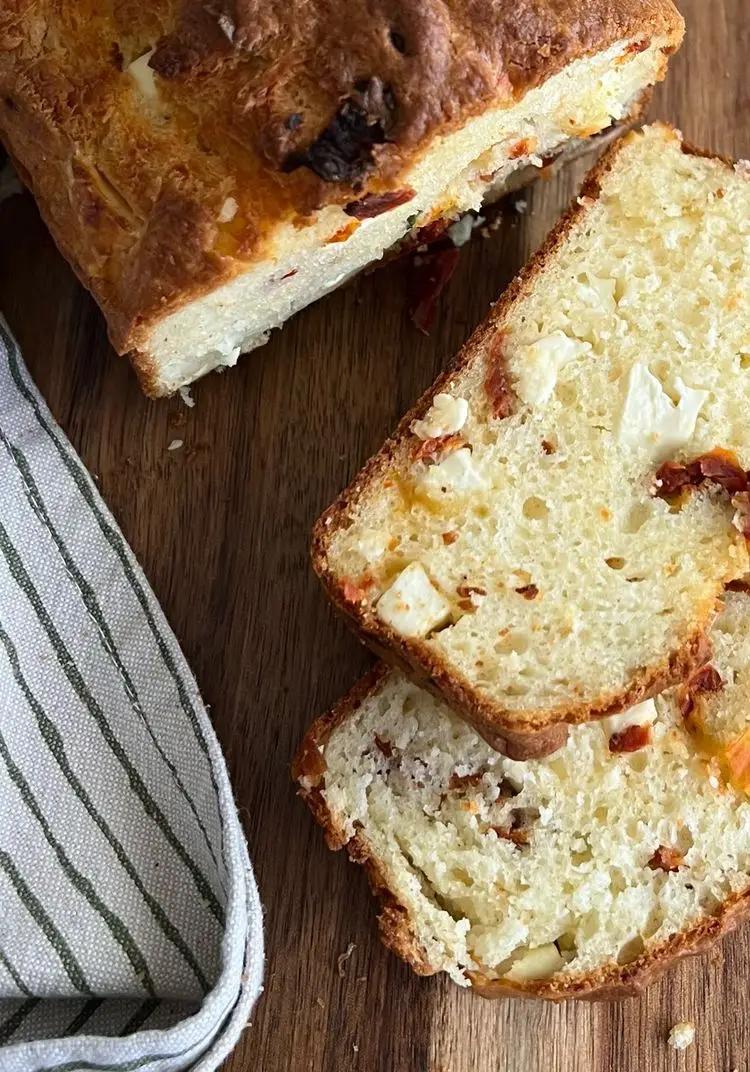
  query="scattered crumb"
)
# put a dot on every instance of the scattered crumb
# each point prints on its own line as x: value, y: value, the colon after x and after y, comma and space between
x: 343, y: 959
x: 175, y: 444
x: 355, y: 1048
x: 521, y: 206
x: 187, y: 398
x: 460, y: 231
x: 682, y: 1035
x: 361, y: 979
x: 319, y: 1001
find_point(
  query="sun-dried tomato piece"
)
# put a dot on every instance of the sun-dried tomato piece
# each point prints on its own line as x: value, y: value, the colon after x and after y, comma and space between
x: 738, y: 586
x: 719, y: 466
x: 497, y: 383
x: 375, y: 204
x: 343, y: 232
x: 466, y: 591
x: 630, y: 739
x: 384, y: 746
x: 428, y: 280
x: 722, y: 467
x: 528, y: 591
x: 352, y: 593
x: 429, y: 450
x: 343, y: 152
x: 671, y: 477
x: 518, y: 837
x: 707, y: 679
x: 450, y: 537
x: 432, y: 231
x: 464, y: 781
x: 666, y: 859
x: 524, y: 147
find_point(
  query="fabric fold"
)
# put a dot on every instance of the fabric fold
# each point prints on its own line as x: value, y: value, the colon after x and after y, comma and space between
x: 131, y: 931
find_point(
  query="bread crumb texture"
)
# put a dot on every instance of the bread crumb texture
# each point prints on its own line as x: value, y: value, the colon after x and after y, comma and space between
x: 583, y: 861
x: 682, y: 1035
x: 628, y: 347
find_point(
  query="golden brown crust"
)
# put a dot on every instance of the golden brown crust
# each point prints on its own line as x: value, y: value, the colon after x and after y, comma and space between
x: 539, y: 732
x: 132, y: 190
x: 611, y: 982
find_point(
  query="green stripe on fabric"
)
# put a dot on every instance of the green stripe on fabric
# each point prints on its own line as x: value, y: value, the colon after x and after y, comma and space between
x: 82, y: 481
x: 209, y: 1038
x: 139, y: 1017
x: 12, y: 1024
x: 83, y: 1017
x: 38, y: 913
x: 78, y: 1065
x: 15, y: 976
x: 56, y: 746
x: 22, y: 578
x: 79, y: 881
x: 128, y: 1066
x: 96, y: 613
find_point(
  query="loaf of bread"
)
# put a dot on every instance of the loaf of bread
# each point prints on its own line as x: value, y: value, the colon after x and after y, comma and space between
x: 582, y: 874
x: 209, y: 169
x: 544, y: 539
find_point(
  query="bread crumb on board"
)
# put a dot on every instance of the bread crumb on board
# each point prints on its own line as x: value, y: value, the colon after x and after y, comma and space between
x: 682, y: 1035
x: 342, y: 959
x: 175, y: 444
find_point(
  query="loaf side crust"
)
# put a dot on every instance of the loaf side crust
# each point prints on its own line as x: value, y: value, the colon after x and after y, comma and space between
x: 611, y: 983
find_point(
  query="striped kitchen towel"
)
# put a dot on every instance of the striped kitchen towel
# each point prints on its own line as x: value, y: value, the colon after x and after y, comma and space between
x: 130, y: 925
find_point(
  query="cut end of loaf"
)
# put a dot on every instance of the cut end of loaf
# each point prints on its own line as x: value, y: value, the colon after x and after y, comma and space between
x: 453, y: 175
x: 582, y: 874
x: 532, y: 563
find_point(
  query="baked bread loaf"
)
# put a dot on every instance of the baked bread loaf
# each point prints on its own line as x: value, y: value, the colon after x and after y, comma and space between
x: 209, y: 169
x: 544, y: 538
x: 583, y: 874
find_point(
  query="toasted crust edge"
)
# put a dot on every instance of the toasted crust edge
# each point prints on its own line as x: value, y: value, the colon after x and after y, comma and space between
x: 610, y: 983
x: 542, y: 731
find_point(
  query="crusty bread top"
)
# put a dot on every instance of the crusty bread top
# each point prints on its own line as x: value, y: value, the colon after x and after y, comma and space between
x: 520, y: 508
x: 259, y: 113
x: 583, y: 874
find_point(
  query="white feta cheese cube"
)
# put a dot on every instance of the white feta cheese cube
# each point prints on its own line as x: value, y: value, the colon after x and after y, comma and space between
x: 455, y: 474
x: 143, y: 76
x: 651, y: 419
x: 445, y: 416
x: 413, y: 606
x: 539, y: 365
x: 641, y: 714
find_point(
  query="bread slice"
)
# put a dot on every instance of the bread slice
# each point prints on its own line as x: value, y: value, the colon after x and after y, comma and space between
x: 583, y: 874
x: 527, y: 543
x: 210, y: 169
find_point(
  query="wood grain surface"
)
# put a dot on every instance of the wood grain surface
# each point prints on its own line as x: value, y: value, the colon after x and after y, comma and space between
x: 221, y: 527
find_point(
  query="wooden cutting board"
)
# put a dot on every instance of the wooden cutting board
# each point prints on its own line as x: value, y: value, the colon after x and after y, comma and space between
x: 221, y: 527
